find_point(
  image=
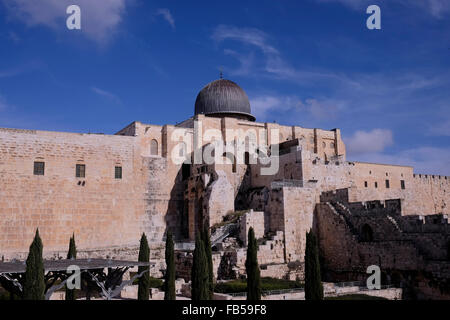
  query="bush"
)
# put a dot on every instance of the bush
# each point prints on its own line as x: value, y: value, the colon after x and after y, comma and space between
x: 156, y: 283
x: 230, y: 217
x: 355, y: 297
x: 4, y: 295
x: 267, y: 284
x: 153, y: 282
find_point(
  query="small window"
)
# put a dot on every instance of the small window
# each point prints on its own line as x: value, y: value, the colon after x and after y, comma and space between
x: 402, y: 184
x: 387, y: 184
x: 153, y: 147
x: 365, y: 184
x: 80, y: 171
x: 376, y: 184
x: 118, y: 172
x: 39, y: 168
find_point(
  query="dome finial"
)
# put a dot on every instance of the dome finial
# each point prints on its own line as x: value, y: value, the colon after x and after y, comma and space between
x: 220, y: 74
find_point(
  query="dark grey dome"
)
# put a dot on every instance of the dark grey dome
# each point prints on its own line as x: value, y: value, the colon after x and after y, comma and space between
x: 223, y: 98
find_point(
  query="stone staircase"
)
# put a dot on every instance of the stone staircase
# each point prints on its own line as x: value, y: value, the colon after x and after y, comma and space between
x: 223, y: 232
x: 394, y: 222
x: 344, y: 214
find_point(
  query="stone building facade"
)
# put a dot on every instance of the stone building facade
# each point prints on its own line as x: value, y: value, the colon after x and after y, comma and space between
x: 108, y: 189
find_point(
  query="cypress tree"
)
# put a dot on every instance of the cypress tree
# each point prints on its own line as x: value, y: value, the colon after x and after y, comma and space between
x: 199, y: 272
x: 72, y: 254
x: 208, y: 254
x: 144, y: 280
x: 252, y: 268
x: 313, y: 282
x: 34, y: 283
x: 169, y: 284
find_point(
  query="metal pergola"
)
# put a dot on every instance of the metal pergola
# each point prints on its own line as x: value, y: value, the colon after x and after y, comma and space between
x: 105, y: 274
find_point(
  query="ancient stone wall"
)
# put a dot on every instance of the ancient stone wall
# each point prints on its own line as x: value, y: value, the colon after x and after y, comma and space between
x: 220, y: 194
x: 100, y: 210
x: 352, y: 239
x: 431, y: 195
x: 291, y: 210
x: 252, y: 219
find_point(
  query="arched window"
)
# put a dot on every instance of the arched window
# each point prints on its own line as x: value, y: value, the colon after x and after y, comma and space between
x: 154, y: 147
x: 366, y: 233
x: 182, y: 150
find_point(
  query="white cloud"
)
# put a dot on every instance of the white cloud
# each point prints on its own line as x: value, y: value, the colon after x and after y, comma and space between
x: 274, y: 65
x: 108, y: 95
x: 99, y: 19
x: 246, y: 62
x: 426, y: 160
x: 265, y: 105
x: 5, y: 105
x: 165, y: 13
x: 441, y: 129
x: 321, y: 110
x: 251, y: 36
x: 10, y: 72
x: 369, y: 141
x: 14, y: 37
x: 437, y: 8
x: 363, y: 96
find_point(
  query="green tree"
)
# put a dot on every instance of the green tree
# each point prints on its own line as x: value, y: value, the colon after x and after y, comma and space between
x: 208, y: 254
x: 169, y: 284
x: 199, y: 272
x: 72, y: 254
x: 34, y: 283
x: 144, y: 280
x: 252, y: 268
x: 313, y: 282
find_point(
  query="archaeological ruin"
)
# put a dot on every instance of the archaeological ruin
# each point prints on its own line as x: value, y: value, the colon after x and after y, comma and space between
x: 222, y: 168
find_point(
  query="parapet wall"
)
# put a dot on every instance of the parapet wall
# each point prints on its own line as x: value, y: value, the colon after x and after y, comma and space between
x: 412, y: 250
x: 431, y: 195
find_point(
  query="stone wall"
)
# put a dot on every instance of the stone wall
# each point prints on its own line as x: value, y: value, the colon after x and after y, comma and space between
x: 252, y: 219
x: 100, y: 210
x: 291, y: 210
x: 356, y: 235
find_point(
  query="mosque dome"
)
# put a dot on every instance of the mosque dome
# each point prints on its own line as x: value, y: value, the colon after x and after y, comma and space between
x: 223, y: 98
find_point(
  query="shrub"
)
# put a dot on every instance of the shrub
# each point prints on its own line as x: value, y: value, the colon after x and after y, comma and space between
x: 267, y: 284
x: 355, y: 297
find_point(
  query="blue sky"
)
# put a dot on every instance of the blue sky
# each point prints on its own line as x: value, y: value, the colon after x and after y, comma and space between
x: 311, y: 63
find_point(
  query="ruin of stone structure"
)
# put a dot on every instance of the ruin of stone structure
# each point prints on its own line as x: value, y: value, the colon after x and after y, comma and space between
x: 108, y: 189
